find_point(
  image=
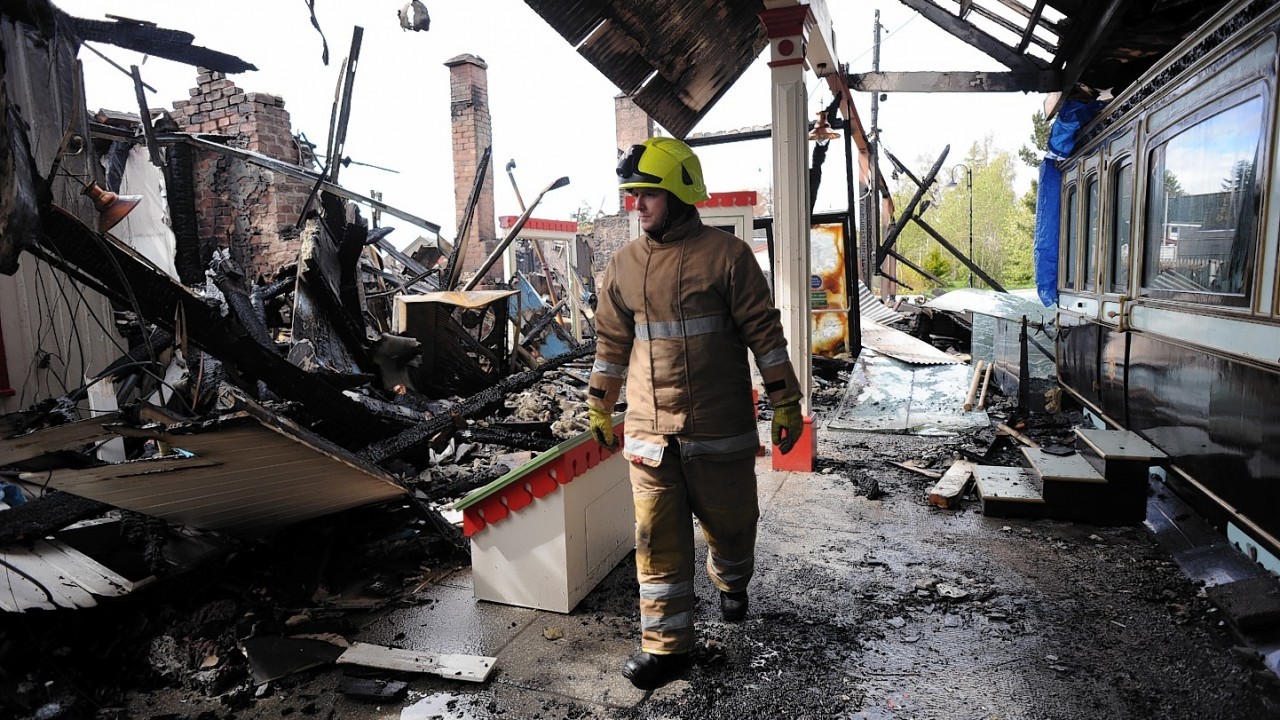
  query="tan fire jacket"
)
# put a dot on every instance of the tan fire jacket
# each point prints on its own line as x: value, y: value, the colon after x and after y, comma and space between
x: 675, y: 319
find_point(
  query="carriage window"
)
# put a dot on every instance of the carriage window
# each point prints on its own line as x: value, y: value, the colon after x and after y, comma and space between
x: 1090, y: 253
x: 1069, y: 242
x: 1203, y: 205
x: 1121, y: 228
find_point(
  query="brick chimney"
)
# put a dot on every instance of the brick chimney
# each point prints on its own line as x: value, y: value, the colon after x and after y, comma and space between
x: 243, y: 207
x: 472, y: 133
x: 632, y: 125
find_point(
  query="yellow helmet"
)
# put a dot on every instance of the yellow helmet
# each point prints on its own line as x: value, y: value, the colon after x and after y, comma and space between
x: 664, y: 163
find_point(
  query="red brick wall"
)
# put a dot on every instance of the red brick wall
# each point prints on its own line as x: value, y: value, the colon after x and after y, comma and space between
x: 248, y: 209
x: 472, y: 133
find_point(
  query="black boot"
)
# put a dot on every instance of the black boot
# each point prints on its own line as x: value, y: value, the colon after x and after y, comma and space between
x: 733, y: 606
x: 647, y: 671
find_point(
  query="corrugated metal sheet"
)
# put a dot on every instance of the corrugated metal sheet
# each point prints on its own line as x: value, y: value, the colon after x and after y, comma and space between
x: 870, y: 307
x: 246, y: 478
x: 694, y: 51
x: 1010, y: 306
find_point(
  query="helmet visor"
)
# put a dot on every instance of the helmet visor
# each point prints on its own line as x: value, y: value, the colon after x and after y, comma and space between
x: 629, y: 168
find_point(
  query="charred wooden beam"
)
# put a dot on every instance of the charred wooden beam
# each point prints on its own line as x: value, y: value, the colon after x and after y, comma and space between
x: 412, y: 439
x: 977, y: 269
x: 146, y: 37
x: 905, y: 261
x: 229, y: 280
x: 910, y: 210
x: 191, y: 253
x: 334, y: 326
x: 1034, y: 17
x: 521, y: 441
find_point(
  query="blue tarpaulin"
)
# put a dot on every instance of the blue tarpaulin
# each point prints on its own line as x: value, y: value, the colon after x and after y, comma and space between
x: 1062, y: 140
x: 1045, y: 250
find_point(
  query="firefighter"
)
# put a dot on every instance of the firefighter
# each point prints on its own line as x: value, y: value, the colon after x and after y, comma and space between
x: 679, y: 308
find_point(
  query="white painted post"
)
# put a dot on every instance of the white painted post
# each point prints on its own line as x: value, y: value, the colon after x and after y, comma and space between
x: 788, y: 30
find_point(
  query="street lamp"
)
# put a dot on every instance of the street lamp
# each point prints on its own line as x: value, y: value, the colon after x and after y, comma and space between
x: 969, y: 184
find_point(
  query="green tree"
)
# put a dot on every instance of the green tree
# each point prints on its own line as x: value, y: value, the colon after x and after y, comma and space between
x: 1040, y: 126
x: 937, y: 263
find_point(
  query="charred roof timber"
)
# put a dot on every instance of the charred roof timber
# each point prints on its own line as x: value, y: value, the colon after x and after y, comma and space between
x: 146, y: 37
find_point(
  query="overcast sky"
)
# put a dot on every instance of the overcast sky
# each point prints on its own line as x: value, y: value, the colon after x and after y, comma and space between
x: 552, y: 111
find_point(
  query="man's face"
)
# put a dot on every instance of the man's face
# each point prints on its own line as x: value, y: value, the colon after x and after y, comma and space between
x: 651, y: 206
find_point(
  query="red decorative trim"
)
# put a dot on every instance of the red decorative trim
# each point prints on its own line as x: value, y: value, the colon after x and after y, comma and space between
x: 5, y: 390
x: 568, y: 226
x: 785, y: 21
x: 538, y: 484
x: 742, y: 198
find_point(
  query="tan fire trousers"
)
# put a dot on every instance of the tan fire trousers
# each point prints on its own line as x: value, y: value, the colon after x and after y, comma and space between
x: 722, y: 495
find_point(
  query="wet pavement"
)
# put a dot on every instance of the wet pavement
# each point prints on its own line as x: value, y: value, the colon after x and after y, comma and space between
x: 861, y: 608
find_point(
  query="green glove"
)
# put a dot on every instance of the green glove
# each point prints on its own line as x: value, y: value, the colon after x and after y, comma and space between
x: 602, y: 428
x: 788, y: 425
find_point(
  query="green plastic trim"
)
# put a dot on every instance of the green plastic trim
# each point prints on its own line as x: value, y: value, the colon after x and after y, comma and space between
x: 497, y: 485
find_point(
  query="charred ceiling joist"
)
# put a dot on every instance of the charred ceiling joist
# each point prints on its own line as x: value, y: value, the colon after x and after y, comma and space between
x: 1099, y: 44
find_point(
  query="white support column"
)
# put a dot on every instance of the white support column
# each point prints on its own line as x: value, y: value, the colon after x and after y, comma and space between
x: 788, y: 29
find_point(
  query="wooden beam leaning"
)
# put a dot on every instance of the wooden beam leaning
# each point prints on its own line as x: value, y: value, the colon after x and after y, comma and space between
x: 910, y: 210
x: 1034, y: 19
x: 977, y: 270
x: 144, y: 113
x: 977, y: 81
x: 905, y: 261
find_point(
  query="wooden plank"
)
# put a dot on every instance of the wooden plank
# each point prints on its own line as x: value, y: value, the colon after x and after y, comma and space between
x: 62, y: 437
x: 946, y: 493
x: 933, y: 474
x: 20, y: 594
x: 1006, y: 430
x: 64, y: 592
x: 472, y: 668
x: 86, y: 572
